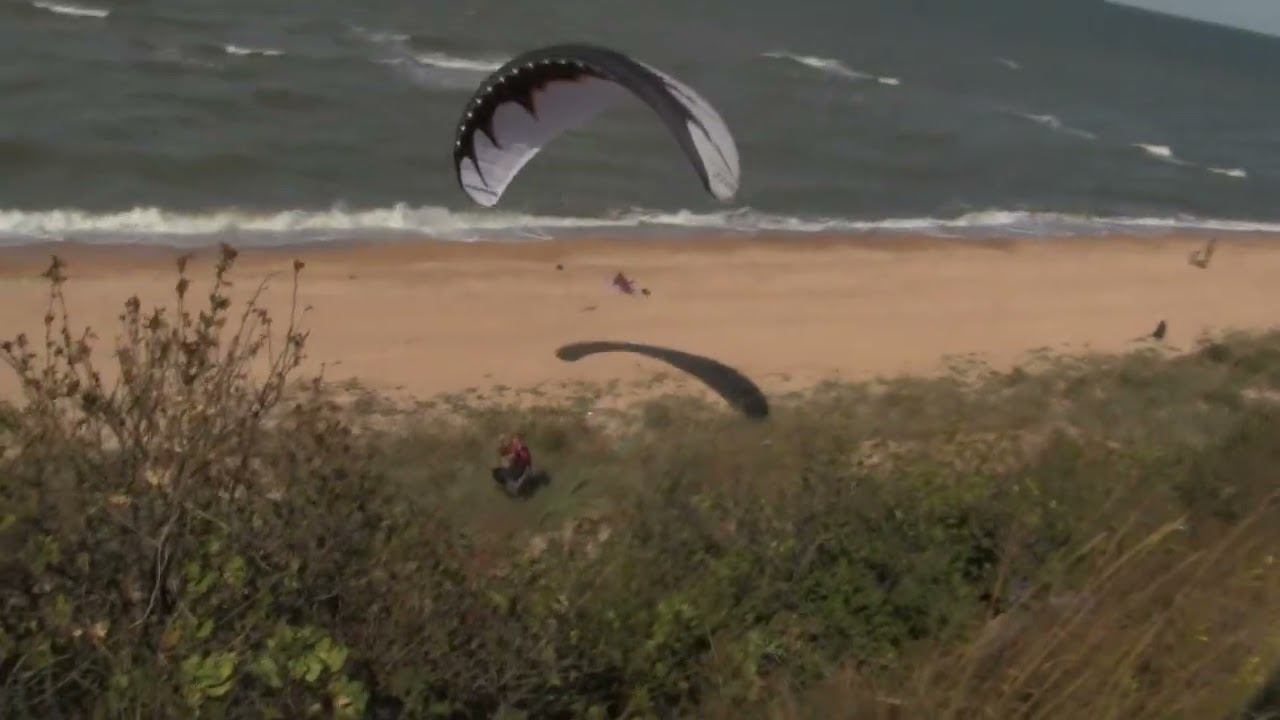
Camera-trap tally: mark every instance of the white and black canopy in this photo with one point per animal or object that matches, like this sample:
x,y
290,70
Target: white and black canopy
x,y
543,93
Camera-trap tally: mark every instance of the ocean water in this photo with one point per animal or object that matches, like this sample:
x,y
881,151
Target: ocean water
x,y
186,123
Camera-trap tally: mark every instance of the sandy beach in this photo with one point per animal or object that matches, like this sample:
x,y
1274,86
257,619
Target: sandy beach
x,y
419,319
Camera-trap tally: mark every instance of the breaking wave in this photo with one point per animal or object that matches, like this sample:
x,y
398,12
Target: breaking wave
x,y
449,62
71,10
830,66
162,227
1053,123
246,51
431,69
1161,152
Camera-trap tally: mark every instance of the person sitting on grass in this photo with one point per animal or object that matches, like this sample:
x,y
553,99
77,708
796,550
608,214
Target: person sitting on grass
x,y
517,464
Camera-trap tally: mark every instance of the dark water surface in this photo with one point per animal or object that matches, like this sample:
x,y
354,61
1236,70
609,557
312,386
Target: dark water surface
x,y
278,122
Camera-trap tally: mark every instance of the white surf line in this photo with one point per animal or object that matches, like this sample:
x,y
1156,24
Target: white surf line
x,y
1166,154
1054,123
72,10
1163,153
449,62
831,66
242,51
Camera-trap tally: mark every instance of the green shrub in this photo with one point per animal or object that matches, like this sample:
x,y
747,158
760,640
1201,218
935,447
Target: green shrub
x,y
170,536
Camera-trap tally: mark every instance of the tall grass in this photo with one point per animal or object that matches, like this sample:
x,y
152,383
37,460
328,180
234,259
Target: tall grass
x,y
210,535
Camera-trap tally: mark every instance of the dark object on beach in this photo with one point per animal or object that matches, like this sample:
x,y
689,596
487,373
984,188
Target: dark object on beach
x,y
559,267
645,292
623,283
589,308
1161,329
1201,258
731,385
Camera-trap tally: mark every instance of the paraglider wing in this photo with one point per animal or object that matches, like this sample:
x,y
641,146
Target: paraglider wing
x,y
731,385
544,93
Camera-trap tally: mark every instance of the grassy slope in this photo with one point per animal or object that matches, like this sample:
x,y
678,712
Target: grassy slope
x,y
1081,537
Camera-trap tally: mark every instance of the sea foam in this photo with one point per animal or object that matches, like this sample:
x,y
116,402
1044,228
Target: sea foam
x,y
72,10
242,51
831,66
1054,123
163,227
433,69
449,62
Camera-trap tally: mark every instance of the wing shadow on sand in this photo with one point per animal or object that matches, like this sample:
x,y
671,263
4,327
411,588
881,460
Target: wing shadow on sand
x,y
731,385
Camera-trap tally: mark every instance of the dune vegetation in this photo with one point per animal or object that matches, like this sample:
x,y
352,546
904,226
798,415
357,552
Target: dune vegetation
x,y
209,534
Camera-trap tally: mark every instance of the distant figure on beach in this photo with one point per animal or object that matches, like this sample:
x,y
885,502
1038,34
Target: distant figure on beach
x,y
1161,329
517,464
1201,258
623,283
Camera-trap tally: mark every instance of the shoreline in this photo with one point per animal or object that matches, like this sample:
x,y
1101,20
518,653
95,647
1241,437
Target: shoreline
x,y
420,319
615,238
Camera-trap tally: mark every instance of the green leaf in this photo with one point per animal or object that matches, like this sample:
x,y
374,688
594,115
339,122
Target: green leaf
x,y
235,571
349,698
220,689
333,655
266,669
222,665
46,554
314,667
198,578
210,676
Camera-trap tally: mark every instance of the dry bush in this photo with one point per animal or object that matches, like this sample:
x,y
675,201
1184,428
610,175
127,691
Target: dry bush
x,y
1159,608
162,537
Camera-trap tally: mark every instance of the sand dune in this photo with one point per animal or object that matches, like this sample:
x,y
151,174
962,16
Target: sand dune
x,y
421,319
